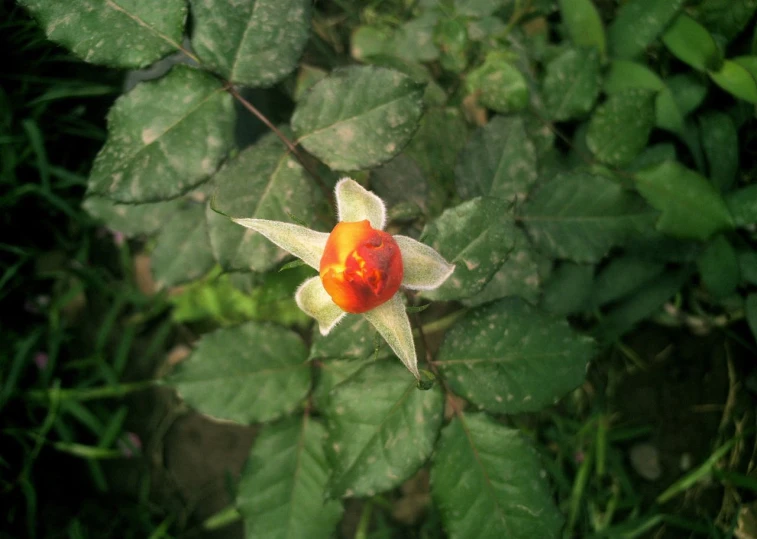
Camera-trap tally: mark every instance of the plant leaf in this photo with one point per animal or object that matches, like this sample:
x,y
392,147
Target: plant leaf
x,y
353,338
252,43
571,84
620,127
498,161
117,33
217,377
280,493
497,84
481,494
720,142
691,43
358,117
164,137
581,216
182,252
584,24
263,181
742,204
476,237
637,24
719,267
508,357
736,80
376,443
132,219
690,205
568,289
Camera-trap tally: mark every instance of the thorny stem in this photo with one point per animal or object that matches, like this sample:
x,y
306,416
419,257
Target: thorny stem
x,y
288,143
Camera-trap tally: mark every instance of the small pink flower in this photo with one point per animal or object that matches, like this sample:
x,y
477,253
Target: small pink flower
x,y
41,360
118,238
129,444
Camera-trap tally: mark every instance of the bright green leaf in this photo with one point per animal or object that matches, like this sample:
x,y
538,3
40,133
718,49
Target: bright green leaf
x,y
584,24
497,84
217,377
581,217
182,252
720,142
498,161
381,429
280,492
358,117
691,43
719,267
117,33
620,127
477,237
488,483
637,24
736,80
264,181
253,43
164,137
627,75
571,84
508,357
691,207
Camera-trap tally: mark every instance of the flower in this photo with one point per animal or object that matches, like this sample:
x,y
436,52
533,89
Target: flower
x,y
361,268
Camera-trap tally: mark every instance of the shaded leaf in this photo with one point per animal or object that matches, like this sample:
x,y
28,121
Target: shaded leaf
x,y
280,493
508,357
571,84
622,276
720,142
164,137
481,494
353,338
252,43
117,33
581,217
217,377
638,23
742,205
376,443
568,289
358,117
719,267
751,313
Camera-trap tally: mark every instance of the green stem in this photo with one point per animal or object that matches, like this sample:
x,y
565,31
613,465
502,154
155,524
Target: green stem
x,y
365,520
222,518
89,393
444,322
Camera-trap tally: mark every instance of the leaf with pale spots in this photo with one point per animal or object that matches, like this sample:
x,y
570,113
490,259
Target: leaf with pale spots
x,y
637,24
331,373
132,219
265,181
217,377
581,217
116,33
358,117
571,84
477,237
381,429
253,43
164,137
488,483
353,338
619,128
509,357
182,252
498,161
280,492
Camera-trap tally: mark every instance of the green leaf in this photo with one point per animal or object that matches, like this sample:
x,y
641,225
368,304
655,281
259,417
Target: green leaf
x,y
451,38
498,161
584,24
401,182
414,40
751,313
381,429
627,75
637,24
280,493
331,373
353,338
691,43
568,289
164,137
736,80
521,275
508,357
252,43
640,305
689,91
247,373
581,217
620,127
358,117
132,219
622,276
182,252
497,84
719,267
720,142
477,237
725,17
690,205
264,181
743,205
477,8
117,33
483,495
367,41
571,84
748,265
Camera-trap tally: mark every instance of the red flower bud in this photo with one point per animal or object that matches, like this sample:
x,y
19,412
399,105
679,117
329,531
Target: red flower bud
x,y
361,267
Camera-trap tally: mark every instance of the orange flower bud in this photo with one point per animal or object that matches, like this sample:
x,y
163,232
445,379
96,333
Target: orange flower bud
x,y
361,267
